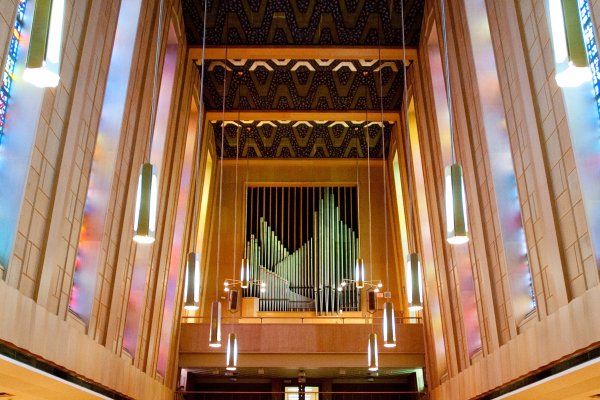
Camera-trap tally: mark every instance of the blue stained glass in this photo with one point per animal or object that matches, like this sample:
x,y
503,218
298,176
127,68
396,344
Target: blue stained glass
x,y
11,60
7,85
10,66
13,48
591,47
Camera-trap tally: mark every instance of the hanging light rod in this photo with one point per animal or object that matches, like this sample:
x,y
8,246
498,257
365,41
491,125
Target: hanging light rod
x,y
455,198
193,257
389,317
146,204
216,309
43,58
414,287
245,281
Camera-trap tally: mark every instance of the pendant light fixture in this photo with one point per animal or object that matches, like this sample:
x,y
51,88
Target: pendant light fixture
x,y
389,319
232,352
389,325
359,273
414,288
214,337
216,313
245,273
43,58
569,47
360,280
192,273
368,141
372,353
191,289
245,268
231,355
146,203
245,280
455,199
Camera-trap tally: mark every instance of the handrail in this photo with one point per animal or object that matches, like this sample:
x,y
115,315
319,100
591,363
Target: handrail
x,y
311,320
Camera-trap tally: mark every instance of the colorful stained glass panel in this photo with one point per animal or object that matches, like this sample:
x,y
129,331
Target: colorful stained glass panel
x,y
591,47
9,68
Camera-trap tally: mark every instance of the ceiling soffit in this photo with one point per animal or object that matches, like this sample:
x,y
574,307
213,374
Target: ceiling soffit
x,y
302,139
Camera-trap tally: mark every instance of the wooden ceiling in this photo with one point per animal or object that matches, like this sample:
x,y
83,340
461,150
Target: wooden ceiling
x,y
304,22
306,56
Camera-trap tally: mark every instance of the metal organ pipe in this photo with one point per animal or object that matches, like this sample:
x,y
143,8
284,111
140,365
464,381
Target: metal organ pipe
x,y
302,242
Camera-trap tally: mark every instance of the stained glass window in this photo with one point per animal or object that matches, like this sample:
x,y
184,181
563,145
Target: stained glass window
x,y
11,61
591,48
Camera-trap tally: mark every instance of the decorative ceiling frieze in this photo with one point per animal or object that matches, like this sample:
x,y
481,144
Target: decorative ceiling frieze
x,y
301,139
303,22
323,84
266,63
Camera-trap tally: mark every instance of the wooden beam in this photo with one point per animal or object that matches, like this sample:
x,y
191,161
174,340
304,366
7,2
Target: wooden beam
x,y
302,53
290,115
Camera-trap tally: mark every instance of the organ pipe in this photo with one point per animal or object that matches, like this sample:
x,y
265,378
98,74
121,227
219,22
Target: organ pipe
x,y
302,242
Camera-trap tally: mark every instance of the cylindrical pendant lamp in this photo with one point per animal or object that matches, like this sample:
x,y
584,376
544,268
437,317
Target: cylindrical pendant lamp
x,y
456,206
231,352
214,339
144,224
191,290
372,354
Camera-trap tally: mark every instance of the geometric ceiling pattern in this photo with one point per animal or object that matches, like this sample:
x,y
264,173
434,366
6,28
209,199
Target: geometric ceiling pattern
x,y
328,85
313,80
303,22
302,139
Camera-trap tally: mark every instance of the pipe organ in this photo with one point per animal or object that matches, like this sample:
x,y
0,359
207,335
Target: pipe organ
x,y
302,242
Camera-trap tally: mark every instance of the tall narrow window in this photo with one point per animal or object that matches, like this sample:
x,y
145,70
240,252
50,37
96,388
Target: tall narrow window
x,y
104,162
178,250
582,107
591,47
202,225
501,161
460,269
20,113
138,292
400,204
11,62
404,238
427,257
